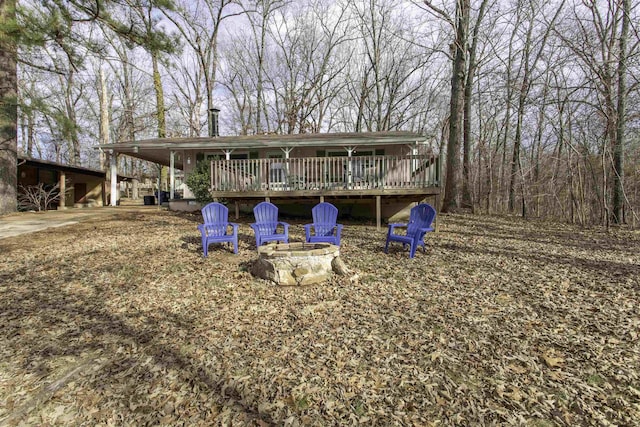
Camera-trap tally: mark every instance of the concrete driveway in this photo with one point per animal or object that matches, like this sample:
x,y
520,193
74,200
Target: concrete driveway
x,y
28,222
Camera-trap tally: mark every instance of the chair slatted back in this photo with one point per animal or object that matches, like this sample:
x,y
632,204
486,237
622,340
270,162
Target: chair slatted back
x,y
421,216
215,217
266,215
325,217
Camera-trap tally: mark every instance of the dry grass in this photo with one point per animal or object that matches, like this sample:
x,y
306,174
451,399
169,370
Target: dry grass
x,y
121,321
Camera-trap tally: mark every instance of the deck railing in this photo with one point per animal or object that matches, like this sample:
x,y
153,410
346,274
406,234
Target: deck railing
x,y
325,173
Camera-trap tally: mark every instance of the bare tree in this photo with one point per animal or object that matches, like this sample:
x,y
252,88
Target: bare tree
x,y
199,24
304,84
528,65
456,106
260,13
600,44
467,199
40,197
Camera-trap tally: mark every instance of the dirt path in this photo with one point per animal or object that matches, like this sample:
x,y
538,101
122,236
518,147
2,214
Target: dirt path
x,y
29,222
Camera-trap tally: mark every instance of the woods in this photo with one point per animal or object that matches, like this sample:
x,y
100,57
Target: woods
x,y
533,104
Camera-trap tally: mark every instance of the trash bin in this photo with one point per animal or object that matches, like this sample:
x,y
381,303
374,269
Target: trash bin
x,y
149,200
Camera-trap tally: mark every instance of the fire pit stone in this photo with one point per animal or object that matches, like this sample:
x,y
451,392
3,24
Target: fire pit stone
x,y
299,263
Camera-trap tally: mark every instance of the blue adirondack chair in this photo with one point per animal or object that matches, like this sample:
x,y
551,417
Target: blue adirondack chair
x,y
324,227
216,227
267,227
420,219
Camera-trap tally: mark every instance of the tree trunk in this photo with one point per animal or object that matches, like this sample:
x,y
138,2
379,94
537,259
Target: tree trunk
x,y
467,199
8,114
617,204
524,91
450,202
104,118
162,126
259,81
157,86
71,115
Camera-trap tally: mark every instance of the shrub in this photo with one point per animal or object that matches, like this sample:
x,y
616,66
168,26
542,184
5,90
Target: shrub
x,y
199,182
38,197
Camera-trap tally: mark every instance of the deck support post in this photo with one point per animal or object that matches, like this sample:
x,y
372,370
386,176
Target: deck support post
x,y
378,212
437,208
321,199
237,210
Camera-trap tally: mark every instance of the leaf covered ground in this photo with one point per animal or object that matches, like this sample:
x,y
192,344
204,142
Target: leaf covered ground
x,y
121,321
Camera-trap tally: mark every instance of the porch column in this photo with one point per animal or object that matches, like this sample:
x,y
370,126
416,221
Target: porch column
x,y
172,174
114,178
286,152
350,151
414,162
159,180
63,190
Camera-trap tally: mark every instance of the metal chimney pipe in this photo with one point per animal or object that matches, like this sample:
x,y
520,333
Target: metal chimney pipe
x,y
214,130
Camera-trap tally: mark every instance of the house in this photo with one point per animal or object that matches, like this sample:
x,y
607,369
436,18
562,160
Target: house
x,y
374,174
84,187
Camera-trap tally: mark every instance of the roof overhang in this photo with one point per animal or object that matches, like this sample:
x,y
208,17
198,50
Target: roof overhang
x,y
158,150
60,167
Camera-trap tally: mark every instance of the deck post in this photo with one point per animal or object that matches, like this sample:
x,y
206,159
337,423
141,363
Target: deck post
x,y
437,208
237,209
321,199
378,212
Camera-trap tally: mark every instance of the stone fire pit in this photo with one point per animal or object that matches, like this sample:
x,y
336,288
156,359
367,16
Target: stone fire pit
x,y
298,263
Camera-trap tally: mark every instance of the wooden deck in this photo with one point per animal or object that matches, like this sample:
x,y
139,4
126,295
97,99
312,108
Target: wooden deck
x,y
355,179
325,174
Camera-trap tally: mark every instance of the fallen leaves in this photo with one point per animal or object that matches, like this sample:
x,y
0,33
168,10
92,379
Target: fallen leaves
x,y
501,321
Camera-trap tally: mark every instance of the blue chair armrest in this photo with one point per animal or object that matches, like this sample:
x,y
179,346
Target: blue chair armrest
x,y
394,225
307,230
285,225
235,227
426,230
